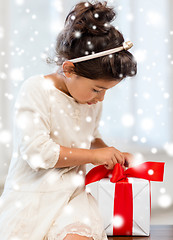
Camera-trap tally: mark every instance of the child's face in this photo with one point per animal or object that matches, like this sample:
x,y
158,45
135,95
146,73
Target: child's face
x,y
85,90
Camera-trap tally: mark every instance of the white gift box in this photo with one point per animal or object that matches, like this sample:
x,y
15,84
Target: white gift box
x,y
104,191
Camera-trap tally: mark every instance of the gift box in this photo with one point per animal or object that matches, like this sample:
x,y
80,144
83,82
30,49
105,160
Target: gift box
x,y
124,197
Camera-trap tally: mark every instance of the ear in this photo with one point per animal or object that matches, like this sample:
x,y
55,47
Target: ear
x,y
68,68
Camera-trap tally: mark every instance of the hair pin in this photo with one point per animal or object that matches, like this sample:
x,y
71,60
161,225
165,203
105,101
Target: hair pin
x,y
126,45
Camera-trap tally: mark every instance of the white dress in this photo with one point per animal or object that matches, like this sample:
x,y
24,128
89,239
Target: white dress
x,y
40,202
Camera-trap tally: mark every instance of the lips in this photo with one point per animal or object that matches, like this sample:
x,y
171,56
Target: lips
x,y
91,103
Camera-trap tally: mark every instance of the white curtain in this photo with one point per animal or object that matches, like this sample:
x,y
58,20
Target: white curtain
x,y
137,114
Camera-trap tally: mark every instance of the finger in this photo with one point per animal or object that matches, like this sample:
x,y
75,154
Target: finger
x,y
120,158
110,164
114,160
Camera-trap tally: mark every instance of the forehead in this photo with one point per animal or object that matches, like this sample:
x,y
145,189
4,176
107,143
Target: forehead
x,y
104,84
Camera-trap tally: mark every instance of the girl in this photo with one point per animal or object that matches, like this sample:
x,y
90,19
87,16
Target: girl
x,y
56,133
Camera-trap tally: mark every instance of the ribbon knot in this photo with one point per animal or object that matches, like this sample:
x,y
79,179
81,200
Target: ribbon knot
x,y
118,174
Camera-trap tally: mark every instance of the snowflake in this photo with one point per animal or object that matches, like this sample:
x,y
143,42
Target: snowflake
x,y
169,148
138,159
147,124
120,7
166,95
154,150
130,17
77,128
162,190
51,178
128,120
86,4
5,136
88,189
150,172
58,6
18,204
19,2
90,138
77,34
78,180
16,186
9,96
56,26
101,123
34,16
107,25
140,55
83,145
26,138
146,95
36,161
15,155
73,17
86,220
165,201
56,133
24,156
143,139
81,172
118,221
3,75
135,138
154,18
16,74
96,15
68,209
88,119
140,111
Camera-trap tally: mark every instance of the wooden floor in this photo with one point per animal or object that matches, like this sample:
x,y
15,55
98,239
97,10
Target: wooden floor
x,y
158,232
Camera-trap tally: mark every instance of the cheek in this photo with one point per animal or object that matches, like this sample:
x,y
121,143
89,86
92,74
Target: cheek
x,y
84,94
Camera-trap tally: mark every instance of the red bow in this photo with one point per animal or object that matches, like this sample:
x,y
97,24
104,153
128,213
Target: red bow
x,y
152,171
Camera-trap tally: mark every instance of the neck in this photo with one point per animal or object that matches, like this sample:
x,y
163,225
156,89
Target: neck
x,y
60,83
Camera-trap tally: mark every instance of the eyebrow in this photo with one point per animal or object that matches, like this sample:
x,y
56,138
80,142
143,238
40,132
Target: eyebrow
x,y
101,87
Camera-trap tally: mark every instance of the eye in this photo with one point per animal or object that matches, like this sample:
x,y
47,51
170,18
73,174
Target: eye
x,y
94,90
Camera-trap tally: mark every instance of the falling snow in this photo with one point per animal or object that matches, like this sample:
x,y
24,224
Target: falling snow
x,y
148,96
118,221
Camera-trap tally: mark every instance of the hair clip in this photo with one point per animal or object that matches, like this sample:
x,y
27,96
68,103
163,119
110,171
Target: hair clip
x,y
126,45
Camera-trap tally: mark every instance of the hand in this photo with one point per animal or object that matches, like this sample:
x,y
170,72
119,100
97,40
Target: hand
x,y
108,156
129,159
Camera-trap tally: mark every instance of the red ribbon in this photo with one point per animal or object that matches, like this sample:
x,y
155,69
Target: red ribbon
x,y
123,199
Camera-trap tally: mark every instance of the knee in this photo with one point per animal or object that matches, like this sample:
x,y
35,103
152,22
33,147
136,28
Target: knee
x,y
76,237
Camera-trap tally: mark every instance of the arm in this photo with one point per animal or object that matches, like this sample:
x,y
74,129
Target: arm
x,y
77,156
73,157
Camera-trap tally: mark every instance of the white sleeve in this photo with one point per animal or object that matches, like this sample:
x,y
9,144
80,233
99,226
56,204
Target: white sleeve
x,y
32,126
96,133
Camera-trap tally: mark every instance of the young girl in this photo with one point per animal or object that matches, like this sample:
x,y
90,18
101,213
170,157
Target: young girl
x,y
56,133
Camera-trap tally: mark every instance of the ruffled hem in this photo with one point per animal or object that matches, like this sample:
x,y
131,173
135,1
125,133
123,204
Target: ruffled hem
x,y
63,235
78,228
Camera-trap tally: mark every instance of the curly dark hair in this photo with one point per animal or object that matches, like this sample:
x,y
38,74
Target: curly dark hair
x,y
87,29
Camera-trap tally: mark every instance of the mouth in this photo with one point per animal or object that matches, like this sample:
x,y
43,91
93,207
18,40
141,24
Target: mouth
x,y
89,103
